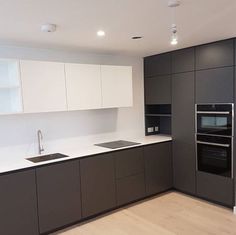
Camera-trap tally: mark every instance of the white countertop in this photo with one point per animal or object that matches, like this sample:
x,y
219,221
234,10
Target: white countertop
x,y
11,163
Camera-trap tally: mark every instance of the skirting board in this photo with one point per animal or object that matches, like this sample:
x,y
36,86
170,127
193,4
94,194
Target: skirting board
x,y
235,210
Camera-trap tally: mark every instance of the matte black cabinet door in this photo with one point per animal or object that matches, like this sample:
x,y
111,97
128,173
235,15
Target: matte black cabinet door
x,y
18,204
158,167
157,65
183,60
97,184
130,188
215,85
158,90
215,188
213,55
129,162
59,199
184,162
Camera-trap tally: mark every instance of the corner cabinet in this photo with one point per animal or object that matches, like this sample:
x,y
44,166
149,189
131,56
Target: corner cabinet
x,y
117,87
43,86
18,204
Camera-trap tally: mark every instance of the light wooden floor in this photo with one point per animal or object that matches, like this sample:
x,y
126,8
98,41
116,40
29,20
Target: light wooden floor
x,y
169,214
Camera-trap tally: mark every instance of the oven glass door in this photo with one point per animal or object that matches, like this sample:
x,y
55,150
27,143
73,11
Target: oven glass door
x,y
214,124
214,156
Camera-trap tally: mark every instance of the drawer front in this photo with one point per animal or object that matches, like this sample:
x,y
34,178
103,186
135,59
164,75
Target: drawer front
x,y
130,189
129,162
215,188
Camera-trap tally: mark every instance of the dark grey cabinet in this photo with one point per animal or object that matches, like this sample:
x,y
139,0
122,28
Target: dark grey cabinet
x,y
184,160
97,184
158,167
130,183
18,204
158,90
213,55
215,188
183,60
157,65
59,200
215,85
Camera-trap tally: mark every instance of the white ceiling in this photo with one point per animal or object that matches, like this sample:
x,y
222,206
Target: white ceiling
x,y
198,21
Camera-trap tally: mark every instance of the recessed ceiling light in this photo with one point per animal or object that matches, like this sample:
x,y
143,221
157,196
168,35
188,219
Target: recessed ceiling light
x,y
137,37
100,33
48,28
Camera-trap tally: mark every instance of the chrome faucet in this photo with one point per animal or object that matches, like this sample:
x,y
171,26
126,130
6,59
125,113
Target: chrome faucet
x,y
40,139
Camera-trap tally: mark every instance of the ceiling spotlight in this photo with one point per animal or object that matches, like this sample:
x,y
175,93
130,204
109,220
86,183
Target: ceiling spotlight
x,y
48,28
100,33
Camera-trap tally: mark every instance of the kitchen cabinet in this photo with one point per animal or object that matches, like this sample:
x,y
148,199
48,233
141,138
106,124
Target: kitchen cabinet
x,y
157,65
10,87
130,182
158,90
184,162
83,86
18,204
97,184
183,60
215,85
158,167
43,86
215,188
117,88
59,195
213,55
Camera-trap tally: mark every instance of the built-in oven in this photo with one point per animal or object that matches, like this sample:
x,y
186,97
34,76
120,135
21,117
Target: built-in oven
x,y
214,155
215,119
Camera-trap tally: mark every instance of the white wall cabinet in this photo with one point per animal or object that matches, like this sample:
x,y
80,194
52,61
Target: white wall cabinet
x,y
116,86
43,86
10,87
83,83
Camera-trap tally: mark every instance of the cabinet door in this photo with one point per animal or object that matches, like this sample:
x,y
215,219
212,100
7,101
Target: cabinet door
x,y
215,85
213,55
59,202
83,84
43,86
183,60
215,188
18,204
184,162
97,184
157,65
158,90
158,167
117,89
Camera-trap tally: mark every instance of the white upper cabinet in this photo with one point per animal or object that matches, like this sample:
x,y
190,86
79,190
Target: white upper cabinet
x,y
43,86
10,87
117,90
83,83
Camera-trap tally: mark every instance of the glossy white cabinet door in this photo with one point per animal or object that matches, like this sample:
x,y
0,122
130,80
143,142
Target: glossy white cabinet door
x,y
117,90
83,83
43,86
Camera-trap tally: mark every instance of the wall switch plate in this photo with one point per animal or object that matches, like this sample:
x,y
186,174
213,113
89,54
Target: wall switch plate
x,y
156,128
150,129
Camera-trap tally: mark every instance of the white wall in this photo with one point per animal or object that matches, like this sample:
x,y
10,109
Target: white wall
x,y
21,129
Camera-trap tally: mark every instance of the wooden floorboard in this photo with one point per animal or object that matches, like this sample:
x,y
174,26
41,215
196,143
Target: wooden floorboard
x,y
169,214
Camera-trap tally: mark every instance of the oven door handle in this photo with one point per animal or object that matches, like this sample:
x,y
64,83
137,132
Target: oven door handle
x,y
214,144
212,112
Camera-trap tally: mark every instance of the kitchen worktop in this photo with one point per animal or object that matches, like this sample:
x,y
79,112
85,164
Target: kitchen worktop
x,y
17,162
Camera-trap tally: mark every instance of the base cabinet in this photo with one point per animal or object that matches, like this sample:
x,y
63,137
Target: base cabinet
x,y
97,184
215,188
59,202
18,204
158,167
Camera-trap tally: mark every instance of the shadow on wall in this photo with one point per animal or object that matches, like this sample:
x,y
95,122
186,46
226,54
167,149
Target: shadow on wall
x,y
22,128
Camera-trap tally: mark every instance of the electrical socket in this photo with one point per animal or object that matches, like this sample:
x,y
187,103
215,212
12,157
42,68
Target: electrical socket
x,y
150,129
156,128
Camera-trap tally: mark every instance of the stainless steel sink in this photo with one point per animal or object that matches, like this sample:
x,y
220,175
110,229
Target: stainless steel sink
x,y
46,157
117,144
